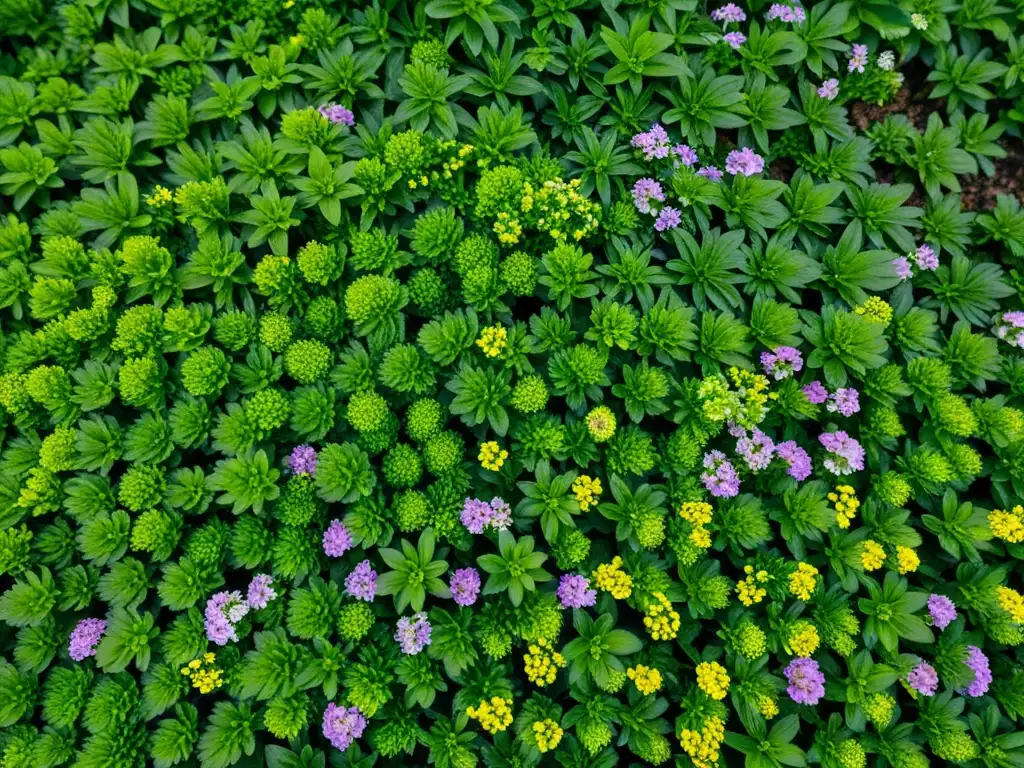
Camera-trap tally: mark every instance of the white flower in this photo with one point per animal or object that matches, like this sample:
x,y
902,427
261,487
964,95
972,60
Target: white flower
x,y
919,21
887,61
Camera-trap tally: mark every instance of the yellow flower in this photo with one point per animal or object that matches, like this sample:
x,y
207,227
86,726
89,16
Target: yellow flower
x,y
1008,526
492,340
547,733
748,590
646,679
767,706
803,638
492,456
875,310
702,747
700,537
541,663
1011,601
802,581
161,196
288,4
845,503
203,675
872,555
297,39
696,512
609,577
906,559
494,715
661,621
713,679
587,491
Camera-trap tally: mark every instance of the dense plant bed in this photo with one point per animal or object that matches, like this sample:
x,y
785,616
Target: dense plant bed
x,y
473,382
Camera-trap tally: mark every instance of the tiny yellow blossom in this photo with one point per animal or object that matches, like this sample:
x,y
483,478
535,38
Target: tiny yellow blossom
x,y
542,662
492,456
609,577
872,555
587,491
702,747
696,512
1008,526
768,706
646,679
747,589
548,734
661,620
713,679
494,715
875,310
906,559
1011,601
161,196
203,675
803,638
492,340
802,581
845,503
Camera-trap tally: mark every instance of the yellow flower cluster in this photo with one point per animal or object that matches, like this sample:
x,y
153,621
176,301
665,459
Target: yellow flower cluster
x,y
203,674
492,456
161,196
609,577
494,715
749,590
872,555
455,161
753,388
561,210
703,746
493,339
906,559
1008,526
713,679
697,514
802,581
507,229
646,679
542,662
661,621
845,503
875,310
587,490
422,182
803,638
547,733
767,706
1011,601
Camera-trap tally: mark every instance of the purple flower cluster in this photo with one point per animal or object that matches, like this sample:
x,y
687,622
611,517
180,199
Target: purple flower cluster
x,y
685,155
478,515
260,591
924,679
710,172
302,460
223,611
797,458
829,89
413,635
362,582
744,162
902,267
782,363
806,681
845,401
343,725
845,455
729,14
337,540
574,591
858,58
338,114
735,39
669,218
645,191
942,610
816,392
977,662
653,143
791,14
756,449
926,258
720,478
465,586
1010,328
85,637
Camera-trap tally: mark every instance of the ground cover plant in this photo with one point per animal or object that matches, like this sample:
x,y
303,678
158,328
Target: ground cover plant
x,y
511,383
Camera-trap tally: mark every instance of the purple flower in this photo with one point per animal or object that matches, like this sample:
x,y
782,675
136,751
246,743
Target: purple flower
x,y
501,514
669,218
816,393
942,610
782,363
303,460
735,39
829,89
223,611
844,400
858,58
338,114
903,268
924,679
685,155
756,450
574,591
362,582
260,592
926,258
337,539
744,161
644,191
653,143
413,635
845,455
806,681
343,725
1011,321
787,13
710,172
476,515
85,637
796,457
730,13
978,663
721,479
465,586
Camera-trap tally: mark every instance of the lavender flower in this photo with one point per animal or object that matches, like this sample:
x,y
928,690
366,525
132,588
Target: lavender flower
x,y
806,681
574,591
744,161
413,635
501,514
710,172
926,258
721,479
1009,328
782,363
829,89
756,450
845,455
303,460
858,58
729,14
653,143
465,586
337,540
735,39
977,662
924,679
816,393
476,515
669,218
260,592
644,191
903,269
791,14
845,401
343,725
942,610
797,458
338,114
85,637
685,155
362,582
223,611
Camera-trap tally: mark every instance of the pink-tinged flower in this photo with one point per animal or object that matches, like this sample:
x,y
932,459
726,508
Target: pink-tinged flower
x,y
644,192
465,586
942,611
797,458
806,681
260,592
924,679
303,460
85,637
710,172
337,540
782,363
816,393
362,582
791,14
343,725
757,450
501,514
729,14
926,258
574,591
977,662
223,611
669,218
858,58
1008,328
735,39
844,401
413,635
845,455
653,143
903,269
720,478
829,89
685,155
744,161
476,515
338,114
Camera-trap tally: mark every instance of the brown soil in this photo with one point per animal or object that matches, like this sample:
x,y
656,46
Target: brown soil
x,y
782,169
916,108
980,192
